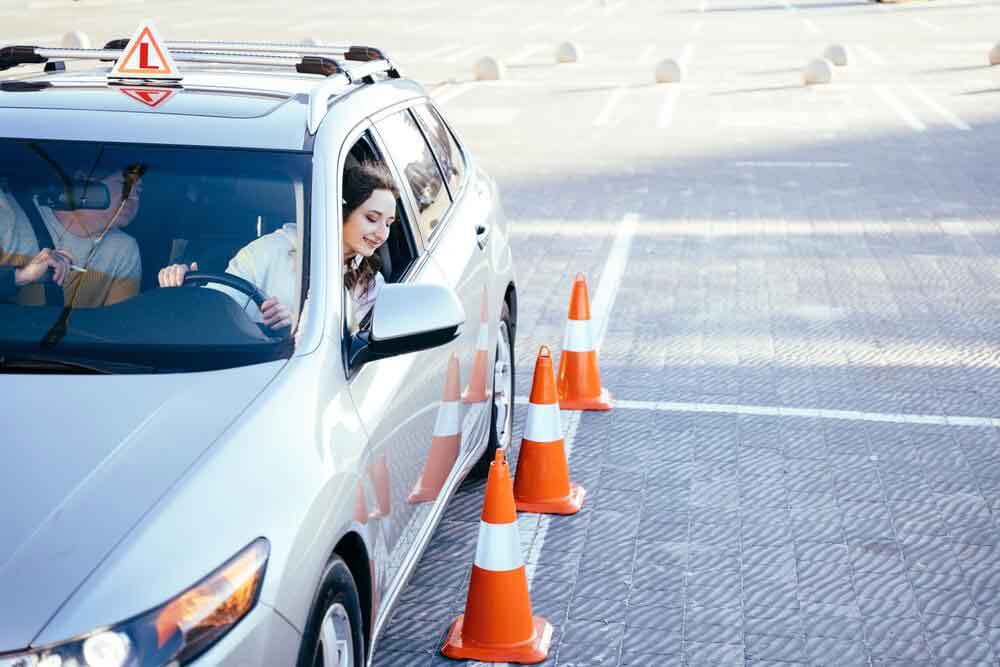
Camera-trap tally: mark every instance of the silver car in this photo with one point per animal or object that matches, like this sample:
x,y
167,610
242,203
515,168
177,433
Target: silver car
x,y
182,484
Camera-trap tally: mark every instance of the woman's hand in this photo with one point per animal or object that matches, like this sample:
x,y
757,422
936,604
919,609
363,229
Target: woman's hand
x,y
57,260
275,314
173,275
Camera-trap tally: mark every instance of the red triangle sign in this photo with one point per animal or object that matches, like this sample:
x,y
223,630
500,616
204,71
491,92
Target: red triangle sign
x,y
151,97
145,57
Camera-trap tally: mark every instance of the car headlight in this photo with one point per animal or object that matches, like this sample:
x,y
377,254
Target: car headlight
x,y
174,633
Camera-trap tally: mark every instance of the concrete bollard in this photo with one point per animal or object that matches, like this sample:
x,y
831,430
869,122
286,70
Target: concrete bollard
x,y
995,54
569,52
670,71
75,40
837,54
489,68
819,70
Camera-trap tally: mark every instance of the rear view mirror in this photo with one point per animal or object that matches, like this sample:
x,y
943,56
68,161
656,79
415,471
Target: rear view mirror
x,y
80,195
409,318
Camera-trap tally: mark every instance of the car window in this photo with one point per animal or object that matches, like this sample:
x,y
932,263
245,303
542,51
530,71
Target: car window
x,y
413,157
120,215
446,149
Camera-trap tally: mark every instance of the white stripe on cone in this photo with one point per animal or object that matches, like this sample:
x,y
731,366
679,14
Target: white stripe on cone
x,y
578,336
499,547
543,423
448,421
483,341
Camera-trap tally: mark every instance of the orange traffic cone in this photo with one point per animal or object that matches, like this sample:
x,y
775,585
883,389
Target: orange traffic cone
x,y
542,482
476,391
497,625
445,443
579,379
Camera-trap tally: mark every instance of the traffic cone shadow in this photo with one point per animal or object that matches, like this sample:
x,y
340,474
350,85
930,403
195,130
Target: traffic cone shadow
x,y
475,392
542,482
579,377
446,441
498,625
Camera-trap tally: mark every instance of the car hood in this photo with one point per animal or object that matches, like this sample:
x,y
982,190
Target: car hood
x,y
84,457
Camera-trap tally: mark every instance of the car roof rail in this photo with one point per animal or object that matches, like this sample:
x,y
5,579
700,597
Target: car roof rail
x,y
304,58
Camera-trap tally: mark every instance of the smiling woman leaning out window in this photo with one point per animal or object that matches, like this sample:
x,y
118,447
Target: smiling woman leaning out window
x,y
369,209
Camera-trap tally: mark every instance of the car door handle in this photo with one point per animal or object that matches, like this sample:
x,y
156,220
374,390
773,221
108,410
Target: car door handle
x,y
482,235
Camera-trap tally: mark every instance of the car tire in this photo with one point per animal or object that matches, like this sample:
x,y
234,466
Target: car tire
x,y
335,621
502,409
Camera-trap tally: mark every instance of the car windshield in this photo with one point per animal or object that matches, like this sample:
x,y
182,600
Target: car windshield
x,y
164,255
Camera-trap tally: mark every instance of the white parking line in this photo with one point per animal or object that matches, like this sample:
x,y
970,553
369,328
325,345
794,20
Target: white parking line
x,y
576,9
609,108
533,27
666,117
927,24
811,26
611,276
577,28
614,9
941,110
778,411
901,110
696,30
871,55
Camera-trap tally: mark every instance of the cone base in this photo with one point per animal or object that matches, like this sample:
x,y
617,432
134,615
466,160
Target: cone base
x,y
570,504
528,652
601,402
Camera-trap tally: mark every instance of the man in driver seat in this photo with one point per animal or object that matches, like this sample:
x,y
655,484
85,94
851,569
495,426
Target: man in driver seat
x,y
108,268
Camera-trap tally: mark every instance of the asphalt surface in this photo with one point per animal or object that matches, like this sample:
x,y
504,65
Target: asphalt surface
x,y
797,296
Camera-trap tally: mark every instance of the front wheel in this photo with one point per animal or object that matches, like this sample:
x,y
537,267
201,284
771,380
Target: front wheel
x,y
502,410
334,635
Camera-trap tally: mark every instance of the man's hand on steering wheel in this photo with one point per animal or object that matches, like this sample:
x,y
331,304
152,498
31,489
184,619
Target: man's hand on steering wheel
x,y
173,275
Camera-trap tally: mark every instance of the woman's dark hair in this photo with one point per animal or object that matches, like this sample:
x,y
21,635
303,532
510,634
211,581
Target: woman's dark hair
x,y
359,184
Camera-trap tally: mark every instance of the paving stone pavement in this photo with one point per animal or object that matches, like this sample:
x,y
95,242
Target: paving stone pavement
x,y
729,540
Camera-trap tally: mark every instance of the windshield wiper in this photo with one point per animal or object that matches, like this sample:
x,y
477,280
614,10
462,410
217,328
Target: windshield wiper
x,y
28,363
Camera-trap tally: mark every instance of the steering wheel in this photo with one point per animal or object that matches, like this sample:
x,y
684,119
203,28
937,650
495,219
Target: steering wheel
x,y
199,278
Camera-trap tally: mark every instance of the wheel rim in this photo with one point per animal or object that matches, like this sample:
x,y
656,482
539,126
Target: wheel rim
x,y
336,642
502,390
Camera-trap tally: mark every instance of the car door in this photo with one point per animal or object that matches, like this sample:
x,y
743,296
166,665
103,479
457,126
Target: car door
x,y
414,435
418,148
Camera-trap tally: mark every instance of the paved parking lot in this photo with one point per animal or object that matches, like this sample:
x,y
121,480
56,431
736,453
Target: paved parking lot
x,y
797,293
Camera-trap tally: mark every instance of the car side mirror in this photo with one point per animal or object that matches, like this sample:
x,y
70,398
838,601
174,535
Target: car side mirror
x,y
408,318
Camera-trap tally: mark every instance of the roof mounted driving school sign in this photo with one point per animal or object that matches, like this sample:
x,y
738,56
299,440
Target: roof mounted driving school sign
x,y
146,57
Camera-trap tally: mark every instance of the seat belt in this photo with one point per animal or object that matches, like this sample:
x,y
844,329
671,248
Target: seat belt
x,y
53,293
